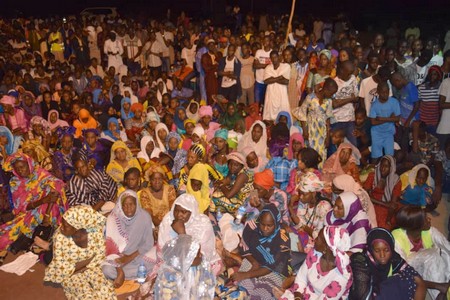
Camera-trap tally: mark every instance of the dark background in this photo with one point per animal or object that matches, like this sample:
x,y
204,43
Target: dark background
x,y
364,14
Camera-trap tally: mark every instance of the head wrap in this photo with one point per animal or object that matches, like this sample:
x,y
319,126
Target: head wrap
x,y
199,131
36,120
325,52
338,240
200,172
152,117
37,147
409,177
84,217
391,179
247,150
189,121
199,150
13,141
265,179
93,130
137,106
236,156
161,144
294,137
120,145
205,111
154,168
221,133
178,121
143,153
438,70
8,100
310,182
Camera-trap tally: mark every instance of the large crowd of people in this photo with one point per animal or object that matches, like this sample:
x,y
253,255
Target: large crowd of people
x,y
225,163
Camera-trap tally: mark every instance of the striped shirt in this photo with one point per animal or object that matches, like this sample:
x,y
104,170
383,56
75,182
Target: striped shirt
x,y
98,186
429,104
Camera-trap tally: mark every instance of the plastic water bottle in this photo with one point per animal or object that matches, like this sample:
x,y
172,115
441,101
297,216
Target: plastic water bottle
x,y
239,215
219,215
141,273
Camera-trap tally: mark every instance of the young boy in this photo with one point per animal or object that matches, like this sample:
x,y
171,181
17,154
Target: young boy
x,y
337,138
362,134
384,113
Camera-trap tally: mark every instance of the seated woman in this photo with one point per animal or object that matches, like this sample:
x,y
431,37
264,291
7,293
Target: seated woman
x,y
346,183
149,152
206,114
417,186
184,218
188,138
344,161
35,150
326,273
309,217
179,118
423,247
55,122
63,159
177,156
192,110
269,193
218,154
9,144
296,144
40,132
37,198
78,267
280,134
161,133
84,121
135,125
230,193
266,253
308,161
198,185
113,132
121,160
94,151
129,240
231,116
158,197
381,273
195,155
384,188
256,139
348,213
125,110
255,163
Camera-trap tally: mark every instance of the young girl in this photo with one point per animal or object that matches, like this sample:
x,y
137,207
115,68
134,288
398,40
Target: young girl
x,y
315,116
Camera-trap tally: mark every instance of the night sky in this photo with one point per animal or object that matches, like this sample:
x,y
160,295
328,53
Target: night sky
x,y
362,13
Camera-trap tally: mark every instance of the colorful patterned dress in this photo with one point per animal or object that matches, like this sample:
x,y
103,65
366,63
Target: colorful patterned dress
x,y
24,191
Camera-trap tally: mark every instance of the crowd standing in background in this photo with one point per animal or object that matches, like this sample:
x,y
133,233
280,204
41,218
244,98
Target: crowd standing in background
x,y
225,163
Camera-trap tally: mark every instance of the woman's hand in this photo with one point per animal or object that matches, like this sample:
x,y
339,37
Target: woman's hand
x,y
81,265
178,227
124,259
308,230
197,259
239,276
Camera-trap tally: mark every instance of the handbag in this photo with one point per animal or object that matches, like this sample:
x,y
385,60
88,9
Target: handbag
x,y
23,243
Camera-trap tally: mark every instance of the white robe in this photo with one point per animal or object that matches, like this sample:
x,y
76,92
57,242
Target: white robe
x,y
277,99
114,60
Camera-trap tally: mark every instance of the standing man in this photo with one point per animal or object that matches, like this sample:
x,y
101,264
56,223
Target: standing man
x,y
165,38
114,50
153,51
262,60
55,40
210,64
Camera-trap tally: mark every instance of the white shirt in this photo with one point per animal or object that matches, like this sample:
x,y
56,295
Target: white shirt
x,y
277,99
153,61
264,58
368,91
189,55
132,46
444,123
168,36
229,67
346,89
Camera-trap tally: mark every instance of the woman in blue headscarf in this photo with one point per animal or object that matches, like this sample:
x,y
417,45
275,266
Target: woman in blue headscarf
x,y
266,255
179,118
125,111
113,133
178,155
8,142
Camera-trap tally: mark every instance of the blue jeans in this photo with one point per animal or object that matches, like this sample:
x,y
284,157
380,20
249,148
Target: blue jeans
x,y
165,64
260,92
348,128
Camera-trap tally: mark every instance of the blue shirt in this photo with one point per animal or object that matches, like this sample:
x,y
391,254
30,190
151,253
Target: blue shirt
x,y
408,96
384,110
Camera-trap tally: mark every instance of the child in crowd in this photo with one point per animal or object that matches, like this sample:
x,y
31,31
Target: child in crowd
x,y
362,134
384,113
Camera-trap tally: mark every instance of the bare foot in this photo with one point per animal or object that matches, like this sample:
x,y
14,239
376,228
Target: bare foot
x,y
41,243
119,279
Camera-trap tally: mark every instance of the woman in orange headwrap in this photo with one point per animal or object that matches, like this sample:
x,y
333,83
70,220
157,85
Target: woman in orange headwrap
x,y
265,185
135,125
84,121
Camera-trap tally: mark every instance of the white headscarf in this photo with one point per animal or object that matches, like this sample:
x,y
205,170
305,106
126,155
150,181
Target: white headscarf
x,y
190,115
143,153
161,144
198,226
260,147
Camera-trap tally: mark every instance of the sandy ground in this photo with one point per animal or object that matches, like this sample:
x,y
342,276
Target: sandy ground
x,y
30,285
